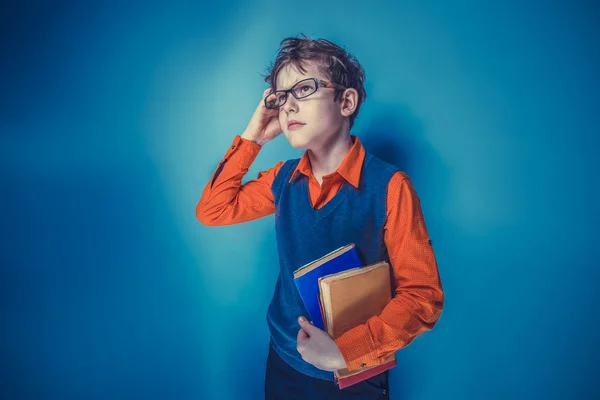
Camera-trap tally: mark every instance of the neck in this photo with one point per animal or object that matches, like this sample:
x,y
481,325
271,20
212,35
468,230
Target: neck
x,y
330,155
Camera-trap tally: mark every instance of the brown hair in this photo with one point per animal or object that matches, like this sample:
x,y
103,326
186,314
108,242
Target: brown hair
x,y
334,62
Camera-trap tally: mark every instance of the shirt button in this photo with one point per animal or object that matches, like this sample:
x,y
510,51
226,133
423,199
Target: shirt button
x,y
384,391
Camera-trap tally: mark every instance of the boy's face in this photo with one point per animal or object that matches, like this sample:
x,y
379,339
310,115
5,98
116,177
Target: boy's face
x,y
322,117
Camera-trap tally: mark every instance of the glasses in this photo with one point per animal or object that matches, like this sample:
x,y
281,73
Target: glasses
x,y
300,90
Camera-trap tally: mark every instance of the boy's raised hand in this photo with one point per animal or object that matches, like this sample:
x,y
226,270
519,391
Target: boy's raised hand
x,y
264,125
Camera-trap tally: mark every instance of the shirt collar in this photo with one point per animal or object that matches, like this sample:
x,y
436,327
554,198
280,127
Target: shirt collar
x,y
349,169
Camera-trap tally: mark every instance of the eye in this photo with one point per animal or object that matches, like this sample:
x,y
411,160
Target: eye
x,y
306,87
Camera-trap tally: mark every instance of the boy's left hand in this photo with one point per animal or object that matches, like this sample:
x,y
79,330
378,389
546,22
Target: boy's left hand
x,y
318,348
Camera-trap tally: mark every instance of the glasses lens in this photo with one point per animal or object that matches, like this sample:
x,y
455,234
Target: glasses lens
x,y
301,89
305,88
276,100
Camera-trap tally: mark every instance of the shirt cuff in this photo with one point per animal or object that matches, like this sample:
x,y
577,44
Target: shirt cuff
x,y
358,348
244,151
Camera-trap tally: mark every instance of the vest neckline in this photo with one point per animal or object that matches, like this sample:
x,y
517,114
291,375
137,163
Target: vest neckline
x,y
324,211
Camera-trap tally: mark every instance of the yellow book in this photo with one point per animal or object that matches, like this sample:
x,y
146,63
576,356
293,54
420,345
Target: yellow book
x,y
349,298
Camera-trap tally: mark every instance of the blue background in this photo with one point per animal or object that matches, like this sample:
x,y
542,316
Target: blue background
x,y
113,117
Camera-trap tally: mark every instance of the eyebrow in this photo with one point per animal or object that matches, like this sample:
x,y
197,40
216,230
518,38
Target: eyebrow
x,y
306,77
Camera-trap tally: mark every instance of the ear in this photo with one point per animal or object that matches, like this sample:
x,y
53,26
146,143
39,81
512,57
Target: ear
x,y
349,102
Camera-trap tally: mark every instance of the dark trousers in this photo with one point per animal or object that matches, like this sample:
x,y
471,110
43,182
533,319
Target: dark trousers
x,y
284,382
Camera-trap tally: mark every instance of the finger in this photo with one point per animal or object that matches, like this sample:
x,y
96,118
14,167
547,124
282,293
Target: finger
x,y
301,341
306,330
309,327
302,336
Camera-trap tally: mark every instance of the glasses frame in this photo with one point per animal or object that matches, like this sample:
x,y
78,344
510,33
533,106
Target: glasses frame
x,y
318,83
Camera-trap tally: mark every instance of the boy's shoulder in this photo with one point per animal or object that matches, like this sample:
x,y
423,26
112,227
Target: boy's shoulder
x,y
392,169
284,169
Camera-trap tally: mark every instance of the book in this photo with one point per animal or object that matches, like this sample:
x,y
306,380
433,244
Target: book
x,y
306,278
349,298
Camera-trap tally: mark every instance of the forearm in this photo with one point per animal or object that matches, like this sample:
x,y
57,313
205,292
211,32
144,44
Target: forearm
x,y
223,196
419,298
408,314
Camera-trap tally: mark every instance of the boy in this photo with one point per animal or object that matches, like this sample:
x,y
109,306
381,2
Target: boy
x,y
337,193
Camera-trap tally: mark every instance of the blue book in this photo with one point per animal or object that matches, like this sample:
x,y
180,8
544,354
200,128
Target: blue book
x,y
307,277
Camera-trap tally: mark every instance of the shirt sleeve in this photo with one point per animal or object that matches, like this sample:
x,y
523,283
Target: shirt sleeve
x,y
225,201
418,296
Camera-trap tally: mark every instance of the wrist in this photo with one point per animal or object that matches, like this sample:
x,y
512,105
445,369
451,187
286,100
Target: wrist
x,y
340,362
250,138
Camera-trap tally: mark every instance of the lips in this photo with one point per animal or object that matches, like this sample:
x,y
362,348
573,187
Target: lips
x,y
292,124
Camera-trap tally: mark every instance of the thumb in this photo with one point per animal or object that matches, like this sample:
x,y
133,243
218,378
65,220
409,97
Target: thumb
x,y
308,327
302,336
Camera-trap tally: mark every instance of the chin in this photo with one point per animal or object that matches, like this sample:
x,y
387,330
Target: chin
x,y
298,140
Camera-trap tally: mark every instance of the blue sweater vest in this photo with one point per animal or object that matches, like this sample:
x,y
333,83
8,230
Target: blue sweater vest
x,y
305,234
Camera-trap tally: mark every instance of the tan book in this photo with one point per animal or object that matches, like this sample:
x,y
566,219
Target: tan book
x,y
349,298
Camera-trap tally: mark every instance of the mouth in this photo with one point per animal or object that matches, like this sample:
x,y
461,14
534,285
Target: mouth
x,y
295,125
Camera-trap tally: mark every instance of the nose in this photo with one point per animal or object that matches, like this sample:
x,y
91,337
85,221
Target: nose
x,y
290,104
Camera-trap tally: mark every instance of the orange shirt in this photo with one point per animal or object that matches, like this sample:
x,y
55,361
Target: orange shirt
x,y
419,297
